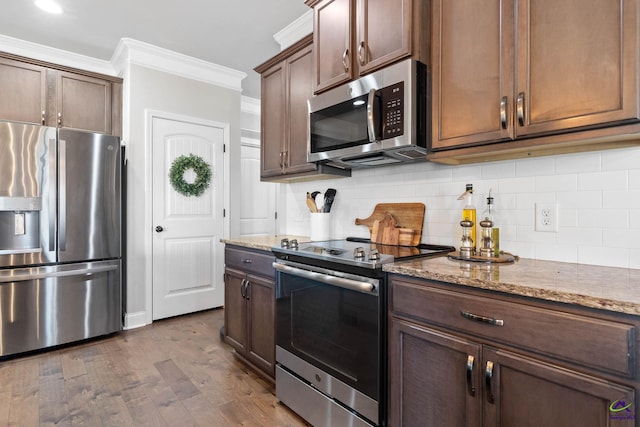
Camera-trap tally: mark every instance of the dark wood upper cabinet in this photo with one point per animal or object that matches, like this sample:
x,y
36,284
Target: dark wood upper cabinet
x,y
384,32
83,102
286,85
47,94
543,68
333,29
355,37
22,91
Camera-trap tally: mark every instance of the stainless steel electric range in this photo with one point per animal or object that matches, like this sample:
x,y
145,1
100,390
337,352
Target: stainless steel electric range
x,y
331,305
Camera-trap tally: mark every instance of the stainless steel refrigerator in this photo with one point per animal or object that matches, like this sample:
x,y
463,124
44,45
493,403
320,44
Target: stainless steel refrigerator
x,y
60,236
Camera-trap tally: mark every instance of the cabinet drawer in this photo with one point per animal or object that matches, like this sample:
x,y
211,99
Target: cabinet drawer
x,y
250,261
601,344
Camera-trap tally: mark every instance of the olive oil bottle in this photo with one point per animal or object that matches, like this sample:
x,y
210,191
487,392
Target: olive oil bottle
x,y
469,212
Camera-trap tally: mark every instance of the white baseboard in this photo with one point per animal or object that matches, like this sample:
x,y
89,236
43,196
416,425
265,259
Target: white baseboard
x,y
135,320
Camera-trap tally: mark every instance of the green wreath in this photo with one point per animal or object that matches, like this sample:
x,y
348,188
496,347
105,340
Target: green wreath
x,y
202,170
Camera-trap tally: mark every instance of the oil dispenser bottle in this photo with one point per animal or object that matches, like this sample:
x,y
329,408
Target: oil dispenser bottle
x,y
469,211
491,214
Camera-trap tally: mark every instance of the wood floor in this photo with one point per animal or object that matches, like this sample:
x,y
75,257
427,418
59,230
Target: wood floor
x,y
175,372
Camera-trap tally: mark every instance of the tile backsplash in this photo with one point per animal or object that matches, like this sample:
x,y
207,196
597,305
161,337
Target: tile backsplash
x,y
598,195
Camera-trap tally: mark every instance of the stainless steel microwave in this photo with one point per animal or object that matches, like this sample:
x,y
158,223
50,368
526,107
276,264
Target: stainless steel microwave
x,y
379,119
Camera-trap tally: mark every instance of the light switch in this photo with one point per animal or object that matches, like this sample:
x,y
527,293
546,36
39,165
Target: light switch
x,y
18,220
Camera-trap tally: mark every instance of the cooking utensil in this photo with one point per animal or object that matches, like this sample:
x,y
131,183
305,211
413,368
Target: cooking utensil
x,y
318,197
329,195
311,204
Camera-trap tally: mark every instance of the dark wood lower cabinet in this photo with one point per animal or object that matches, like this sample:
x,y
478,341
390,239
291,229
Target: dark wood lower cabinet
x,y
527,393
428,378
440,375
249,307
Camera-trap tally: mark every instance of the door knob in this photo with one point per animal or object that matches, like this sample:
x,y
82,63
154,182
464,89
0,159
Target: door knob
x,y
159,229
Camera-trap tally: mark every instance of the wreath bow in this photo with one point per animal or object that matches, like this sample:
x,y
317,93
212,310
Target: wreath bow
x,y
201,168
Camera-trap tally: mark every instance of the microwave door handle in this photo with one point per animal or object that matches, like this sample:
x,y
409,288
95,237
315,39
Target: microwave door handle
x,y
370,116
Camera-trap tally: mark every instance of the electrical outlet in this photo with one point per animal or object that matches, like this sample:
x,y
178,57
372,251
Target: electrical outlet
x,y
547,217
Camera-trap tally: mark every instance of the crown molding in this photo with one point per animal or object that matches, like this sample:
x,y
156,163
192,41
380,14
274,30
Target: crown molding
x,y
55,56
250,105
130,51
295,31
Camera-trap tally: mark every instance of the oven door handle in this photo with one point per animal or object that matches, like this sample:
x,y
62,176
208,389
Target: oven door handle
x,y
341,282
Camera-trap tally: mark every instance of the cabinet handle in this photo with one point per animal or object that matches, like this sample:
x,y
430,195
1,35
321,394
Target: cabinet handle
x,y
345,60
470,388
361,51
247,261
503,112
285,156
520,108
483,319
247,289
488,378
59,120
42,117
242,288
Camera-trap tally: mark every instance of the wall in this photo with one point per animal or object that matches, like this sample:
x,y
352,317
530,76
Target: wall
x,y
598,195
160,91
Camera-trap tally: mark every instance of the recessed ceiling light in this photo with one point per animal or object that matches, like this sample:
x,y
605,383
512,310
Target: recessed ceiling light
x,y
49,6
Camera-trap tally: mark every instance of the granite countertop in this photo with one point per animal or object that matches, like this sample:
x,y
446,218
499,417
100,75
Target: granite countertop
x,y
606,288
262,242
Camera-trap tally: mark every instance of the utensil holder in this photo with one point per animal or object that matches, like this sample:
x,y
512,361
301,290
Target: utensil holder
x,y
320,226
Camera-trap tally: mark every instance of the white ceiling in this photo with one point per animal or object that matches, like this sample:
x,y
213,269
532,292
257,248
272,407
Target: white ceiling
x,y
234,33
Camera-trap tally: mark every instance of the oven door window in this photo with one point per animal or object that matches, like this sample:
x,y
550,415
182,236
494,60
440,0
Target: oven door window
x,y
332,328
339,126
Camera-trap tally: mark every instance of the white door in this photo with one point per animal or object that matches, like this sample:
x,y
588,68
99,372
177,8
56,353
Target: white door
x,y
258,199
187,253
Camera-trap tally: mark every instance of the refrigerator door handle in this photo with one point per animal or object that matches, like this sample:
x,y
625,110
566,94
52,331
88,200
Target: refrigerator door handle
x,y
62,198
44,273
52,194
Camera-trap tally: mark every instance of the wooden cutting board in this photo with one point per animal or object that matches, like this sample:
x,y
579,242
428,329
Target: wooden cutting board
x,y
385,231
408,216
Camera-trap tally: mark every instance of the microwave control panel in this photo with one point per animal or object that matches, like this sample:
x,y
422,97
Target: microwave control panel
x,y
392,110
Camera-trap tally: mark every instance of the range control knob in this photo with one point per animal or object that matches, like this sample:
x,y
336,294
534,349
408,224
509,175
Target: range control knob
x,y
294,244
374,255
358,253
284,243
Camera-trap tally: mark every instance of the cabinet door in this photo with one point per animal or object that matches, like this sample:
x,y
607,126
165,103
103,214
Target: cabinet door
x,y
235,310
83,102
300,86
22,91
333,24
384,32
525,393
472,57
434,378
272,120
261,345
577,64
